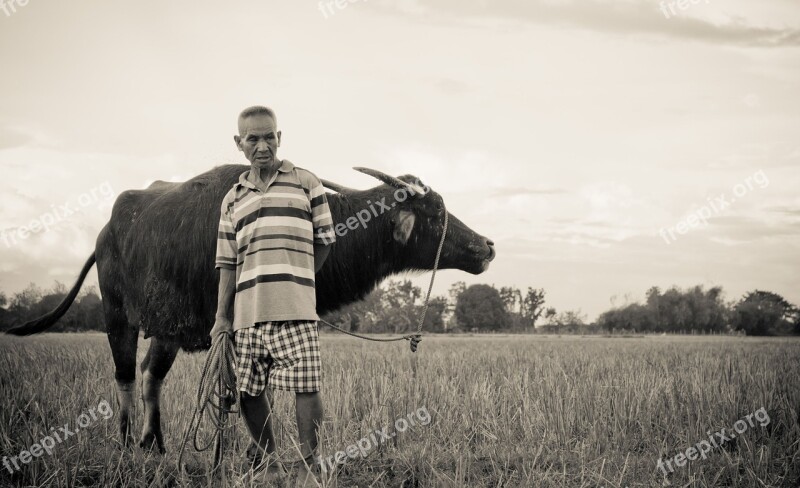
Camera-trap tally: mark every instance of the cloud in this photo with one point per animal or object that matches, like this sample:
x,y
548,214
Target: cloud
x,y
772,154
451,86
517,191
746,229
11,137
784,210
617,17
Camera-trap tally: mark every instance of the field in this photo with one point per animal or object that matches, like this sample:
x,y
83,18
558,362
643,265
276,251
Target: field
x,y
503,411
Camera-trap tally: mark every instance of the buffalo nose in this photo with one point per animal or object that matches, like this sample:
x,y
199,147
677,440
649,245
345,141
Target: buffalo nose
x,y
489,242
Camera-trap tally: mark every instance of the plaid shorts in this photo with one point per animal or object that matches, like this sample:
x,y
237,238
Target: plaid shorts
x,y
281,355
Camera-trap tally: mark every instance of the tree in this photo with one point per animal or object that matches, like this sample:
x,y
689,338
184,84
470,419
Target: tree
x,y
91,310
360,316
533,305
399,310
24,300
635,317
676,310
434,320
654,308
571,318
764,313
481,307
509,296
86,313
456,289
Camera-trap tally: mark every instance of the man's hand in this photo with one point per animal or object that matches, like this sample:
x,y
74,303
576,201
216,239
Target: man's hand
x,y
222,325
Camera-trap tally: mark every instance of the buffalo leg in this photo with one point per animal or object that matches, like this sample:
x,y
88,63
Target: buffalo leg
x,y
123,341
155,367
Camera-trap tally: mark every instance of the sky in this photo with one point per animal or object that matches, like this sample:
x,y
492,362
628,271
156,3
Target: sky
x,y
604,146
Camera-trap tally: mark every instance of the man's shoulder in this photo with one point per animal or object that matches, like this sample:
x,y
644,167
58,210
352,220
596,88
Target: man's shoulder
x,y
307,178
230,195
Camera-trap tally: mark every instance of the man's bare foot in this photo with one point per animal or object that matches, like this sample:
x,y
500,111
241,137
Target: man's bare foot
x,y
306,477
254,455
270,470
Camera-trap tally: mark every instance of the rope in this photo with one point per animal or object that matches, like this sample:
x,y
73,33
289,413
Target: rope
x,y
366,338
414,338
433,275
215,394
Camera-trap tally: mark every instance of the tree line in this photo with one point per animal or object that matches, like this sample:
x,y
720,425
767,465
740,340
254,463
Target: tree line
x,y
396,306
696,309
85,314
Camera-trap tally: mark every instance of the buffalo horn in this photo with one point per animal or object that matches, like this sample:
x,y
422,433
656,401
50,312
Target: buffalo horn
x,y
336,187
389,180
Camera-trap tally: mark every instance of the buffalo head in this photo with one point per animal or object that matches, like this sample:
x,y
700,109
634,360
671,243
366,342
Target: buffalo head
x,y
414,217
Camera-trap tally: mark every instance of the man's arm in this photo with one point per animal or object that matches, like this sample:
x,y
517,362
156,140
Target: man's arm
x,y
322,222
227,292
226,264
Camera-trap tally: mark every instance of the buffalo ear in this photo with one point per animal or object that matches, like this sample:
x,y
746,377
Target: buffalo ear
x,y
404,226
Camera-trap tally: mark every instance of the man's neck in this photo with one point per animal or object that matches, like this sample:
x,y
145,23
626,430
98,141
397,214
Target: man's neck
x,y
262,177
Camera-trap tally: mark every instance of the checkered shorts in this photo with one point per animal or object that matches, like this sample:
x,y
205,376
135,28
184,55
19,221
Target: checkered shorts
x,y
281,355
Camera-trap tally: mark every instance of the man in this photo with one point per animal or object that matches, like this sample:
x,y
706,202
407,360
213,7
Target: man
x,y
274,231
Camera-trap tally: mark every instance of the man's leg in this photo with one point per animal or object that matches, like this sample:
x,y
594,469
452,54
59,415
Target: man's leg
x,y
252,367
296,367
257,414
308,409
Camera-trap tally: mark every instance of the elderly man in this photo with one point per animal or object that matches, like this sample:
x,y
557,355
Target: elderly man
x,y
274,234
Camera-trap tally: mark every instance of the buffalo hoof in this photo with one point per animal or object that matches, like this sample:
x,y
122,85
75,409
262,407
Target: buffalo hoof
x,y
125,434
153,442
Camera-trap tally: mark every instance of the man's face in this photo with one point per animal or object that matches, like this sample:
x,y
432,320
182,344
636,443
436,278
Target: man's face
x,y
259,140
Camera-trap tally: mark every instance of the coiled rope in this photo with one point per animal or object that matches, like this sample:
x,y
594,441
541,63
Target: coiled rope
x,y
215,396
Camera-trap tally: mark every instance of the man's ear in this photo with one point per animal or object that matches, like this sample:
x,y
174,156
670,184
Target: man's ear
x,y
279,138
403,226
238,141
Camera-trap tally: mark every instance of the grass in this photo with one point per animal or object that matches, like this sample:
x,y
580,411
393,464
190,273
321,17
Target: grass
x,y
505,411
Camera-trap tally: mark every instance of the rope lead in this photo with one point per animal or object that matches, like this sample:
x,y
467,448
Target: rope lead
x,y
215,396
414,338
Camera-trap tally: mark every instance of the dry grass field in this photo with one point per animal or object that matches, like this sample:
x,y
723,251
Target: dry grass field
x,y
504,411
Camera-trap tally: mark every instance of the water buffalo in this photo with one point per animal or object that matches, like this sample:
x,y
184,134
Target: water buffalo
x,y
155,262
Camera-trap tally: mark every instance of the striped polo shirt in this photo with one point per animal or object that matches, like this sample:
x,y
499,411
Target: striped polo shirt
x,y
268,237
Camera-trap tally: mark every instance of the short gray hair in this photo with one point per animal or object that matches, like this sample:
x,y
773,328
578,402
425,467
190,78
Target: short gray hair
x,y
257,110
